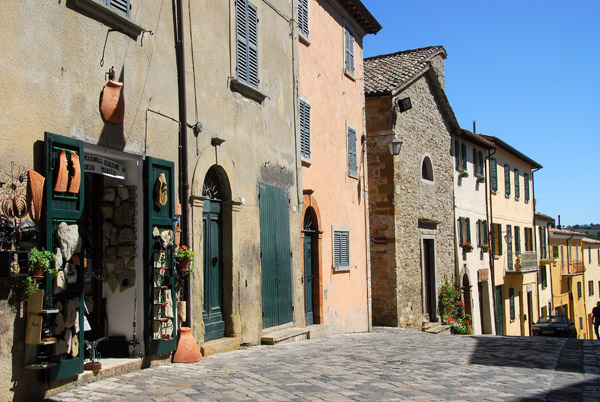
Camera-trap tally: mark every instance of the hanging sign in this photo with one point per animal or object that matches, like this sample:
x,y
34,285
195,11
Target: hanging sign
x,y
101,165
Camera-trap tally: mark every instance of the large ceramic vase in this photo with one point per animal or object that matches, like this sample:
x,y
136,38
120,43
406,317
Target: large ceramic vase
x,y
187,348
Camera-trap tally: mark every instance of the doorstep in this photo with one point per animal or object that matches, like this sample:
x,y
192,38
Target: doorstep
x,y
318,331
283,335
220,345
439,330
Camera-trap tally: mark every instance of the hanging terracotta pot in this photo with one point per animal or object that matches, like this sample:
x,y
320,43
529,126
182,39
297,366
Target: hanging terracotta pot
x,y
112,104
183,265
35,194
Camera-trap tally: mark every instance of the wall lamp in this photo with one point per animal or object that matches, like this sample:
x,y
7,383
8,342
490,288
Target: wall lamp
x,y
394,146
508,238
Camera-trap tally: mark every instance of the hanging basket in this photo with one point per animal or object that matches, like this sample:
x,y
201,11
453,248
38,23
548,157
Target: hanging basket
x,y
183,265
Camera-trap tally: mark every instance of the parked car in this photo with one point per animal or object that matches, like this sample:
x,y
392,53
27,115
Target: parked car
x,y
554,325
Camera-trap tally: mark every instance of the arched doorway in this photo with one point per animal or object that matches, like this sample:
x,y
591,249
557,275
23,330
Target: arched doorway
x,y
311,269
212,220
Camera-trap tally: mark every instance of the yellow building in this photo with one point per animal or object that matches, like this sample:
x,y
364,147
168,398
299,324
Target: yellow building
x,y
514,259
591,260
568,293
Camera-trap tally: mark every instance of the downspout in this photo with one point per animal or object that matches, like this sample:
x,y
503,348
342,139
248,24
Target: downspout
x,y
488,212
183,149
367,227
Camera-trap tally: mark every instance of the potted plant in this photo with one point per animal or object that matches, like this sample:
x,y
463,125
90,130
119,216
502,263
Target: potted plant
x,y
464,173
183,255
26,288
467,247
485,248
41,261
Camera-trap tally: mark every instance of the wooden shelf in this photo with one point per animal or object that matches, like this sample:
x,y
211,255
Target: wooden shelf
x,y
49,311
39,366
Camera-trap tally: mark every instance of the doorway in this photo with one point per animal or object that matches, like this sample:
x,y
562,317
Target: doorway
x,y
530,310
311,267
499,311
429,279
467,295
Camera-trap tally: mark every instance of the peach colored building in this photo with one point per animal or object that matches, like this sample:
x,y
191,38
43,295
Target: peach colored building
x,y
331,102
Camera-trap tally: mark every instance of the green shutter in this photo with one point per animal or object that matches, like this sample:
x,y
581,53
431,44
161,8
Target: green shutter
x,y
349,49
304,129
456,154
555,252
246,18
352,156
463,156
494,174
63,207
475,162
511,296
252,45
517,240
517,184
468,224
509,249
499,227
526,183
507,179
499,310
162,219
485,233
461,239
303,17
481,161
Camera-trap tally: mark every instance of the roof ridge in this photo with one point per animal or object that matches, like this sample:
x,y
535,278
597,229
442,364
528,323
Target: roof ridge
x,y
441,47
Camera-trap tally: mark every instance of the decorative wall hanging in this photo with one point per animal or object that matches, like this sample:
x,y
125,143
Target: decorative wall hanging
x,y
68,240
13,197
112,104
160,191
36,194
76,175
62,178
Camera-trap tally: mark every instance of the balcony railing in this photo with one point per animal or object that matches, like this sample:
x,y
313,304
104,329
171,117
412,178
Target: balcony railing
x,y
574,268
527,261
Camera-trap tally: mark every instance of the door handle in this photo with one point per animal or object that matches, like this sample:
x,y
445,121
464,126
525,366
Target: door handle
x,y
214,261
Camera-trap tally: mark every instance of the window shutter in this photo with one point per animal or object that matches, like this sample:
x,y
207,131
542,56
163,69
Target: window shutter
x,y
349,45
481,162
352,159
526,183
468,225
511,296
479,233
579,290
463,156
252,45
303,17
341,249
456,154
507,179
517,240
485,233
517,184
475,162
494,173
121,6
499,227
304,129
247,42
555,252
509,249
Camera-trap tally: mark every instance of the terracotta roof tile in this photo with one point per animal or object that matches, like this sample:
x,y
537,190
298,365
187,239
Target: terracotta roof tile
x,y
387,72
591,241
566,232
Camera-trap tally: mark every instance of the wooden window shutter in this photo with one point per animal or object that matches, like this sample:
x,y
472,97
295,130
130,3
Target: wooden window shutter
x,y
468,226
352,156
511,296
304,129
463,156
456,154
526,184
481,163
509,248
252,45
122,6
461,238
494,174
517,184
499,228
475,162
507,179
303,17
479,233
555,251
341,249
486,240
349,46
246,18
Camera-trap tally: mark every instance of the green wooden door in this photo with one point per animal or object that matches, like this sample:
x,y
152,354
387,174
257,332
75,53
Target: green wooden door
x,y
155,295
212,310
275,255
499,312
63,207
308,280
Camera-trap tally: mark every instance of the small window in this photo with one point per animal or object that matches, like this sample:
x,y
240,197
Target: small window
x,y
352,156
579,292
115,13
349,49
544,277
526,184
511,297
303,17
464,231
517,184
341,249
304,129
589,255
591,288
480,164
581,323
427,169
507,179
494,174
482,233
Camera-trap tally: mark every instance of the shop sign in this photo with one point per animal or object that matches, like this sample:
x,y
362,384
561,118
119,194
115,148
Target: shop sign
x,y
104,166
482,275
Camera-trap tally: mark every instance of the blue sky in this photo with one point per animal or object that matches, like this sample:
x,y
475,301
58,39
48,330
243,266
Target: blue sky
x,y
528,72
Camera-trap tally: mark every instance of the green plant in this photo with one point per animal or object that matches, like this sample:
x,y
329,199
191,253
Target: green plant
x,y
26,287
42,259
184,253
452,310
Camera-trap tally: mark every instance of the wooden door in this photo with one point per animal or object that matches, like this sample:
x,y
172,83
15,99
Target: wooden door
x,y
212,309
308,280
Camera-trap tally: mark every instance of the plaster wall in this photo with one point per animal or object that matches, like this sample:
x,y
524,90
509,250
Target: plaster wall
x,y
545,293
337,102
259,147
54,69
420,208
469,202
592,273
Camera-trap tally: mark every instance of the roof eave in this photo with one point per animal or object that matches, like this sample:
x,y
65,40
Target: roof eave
x,y
512,150
361,15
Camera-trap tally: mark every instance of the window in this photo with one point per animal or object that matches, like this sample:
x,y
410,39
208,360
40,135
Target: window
x,y
304,129
464,230
544,276
482,233
303,17
517,184
509,249
341,248
246,17
526,183
581,323
496,238
349,50
114,13
555,252
352,158
507,179
517,240
579,290
589,255
577,252
543,245
511,297
591,288
427,169
494,174
528,239
562,259
478,163
463,156
456,154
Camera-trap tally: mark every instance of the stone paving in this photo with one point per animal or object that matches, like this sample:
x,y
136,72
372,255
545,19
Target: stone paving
x,y
389,364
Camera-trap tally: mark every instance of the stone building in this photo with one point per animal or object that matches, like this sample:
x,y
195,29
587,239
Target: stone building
x,y
333,172
411,194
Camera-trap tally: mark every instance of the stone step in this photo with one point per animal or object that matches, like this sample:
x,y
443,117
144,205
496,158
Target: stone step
x,y
318,331
440,330
284,335
220,345
430,325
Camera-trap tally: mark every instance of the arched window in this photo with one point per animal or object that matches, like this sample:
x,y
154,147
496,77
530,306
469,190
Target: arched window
x,y
427,169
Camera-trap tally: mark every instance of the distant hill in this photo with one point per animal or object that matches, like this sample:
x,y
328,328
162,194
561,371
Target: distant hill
x,y
592,230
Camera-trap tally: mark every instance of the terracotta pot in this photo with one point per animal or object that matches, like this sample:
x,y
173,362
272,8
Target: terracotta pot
x,y
37,272
187,348
183,265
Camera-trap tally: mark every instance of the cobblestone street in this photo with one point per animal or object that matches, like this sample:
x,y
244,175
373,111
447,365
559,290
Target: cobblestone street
x,y
388,364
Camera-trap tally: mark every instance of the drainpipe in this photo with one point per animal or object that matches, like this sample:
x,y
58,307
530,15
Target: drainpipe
x,y
183,148
488,207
